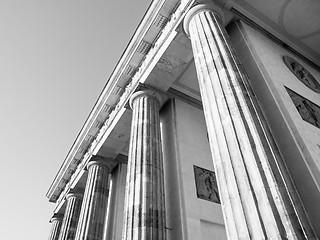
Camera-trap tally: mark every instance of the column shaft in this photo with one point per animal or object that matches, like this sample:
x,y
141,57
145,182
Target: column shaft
x,y
94,206
254,193
144,217
55,229
71,217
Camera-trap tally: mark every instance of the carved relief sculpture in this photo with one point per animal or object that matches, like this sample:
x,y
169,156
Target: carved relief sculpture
x,y
309,111
302,74
206,184
171,64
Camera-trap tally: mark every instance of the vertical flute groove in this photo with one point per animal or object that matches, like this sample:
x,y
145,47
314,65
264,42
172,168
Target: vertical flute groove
x,y
146,210
56,227
71,217
94,207
254,193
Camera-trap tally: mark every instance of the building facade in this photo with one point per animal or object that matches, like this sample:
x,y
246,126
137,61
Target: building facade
x,y
208,128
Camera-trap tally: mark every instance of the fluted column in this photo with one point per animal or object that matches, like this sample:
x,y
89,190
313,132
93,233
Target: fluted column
x,y
71,216
144,217
258,201
94,206
56,221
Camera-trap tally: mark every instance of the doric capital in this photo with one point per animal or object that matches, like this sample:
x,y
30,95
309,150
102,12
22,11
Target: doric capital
x,y
56,217
207,7
143,93
103,162
74,195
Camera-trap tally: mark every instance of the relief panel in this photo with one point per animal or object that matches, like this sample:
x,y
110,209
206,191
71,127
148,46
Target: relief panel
x,y
206,184
309,111
302,74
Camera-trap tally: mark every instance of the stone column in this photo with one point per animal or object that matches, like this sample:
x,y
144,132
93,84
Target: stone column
x,y
71,216
257,200
117,198
94,206
56,221
144,216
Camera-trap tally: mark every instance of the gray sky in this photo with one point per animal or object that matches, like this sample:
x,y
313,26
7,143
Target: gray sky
x,y
55,58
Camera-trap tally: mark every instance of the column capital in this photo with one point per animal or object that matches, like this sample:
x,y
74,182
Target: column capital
x,y
145,216
74,195
108,163
246,165
205,7
94,205
148,92
56,217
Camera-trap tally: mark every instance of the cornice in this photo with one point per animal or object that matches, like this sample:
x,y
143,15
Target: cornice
x,y
60,187
147,20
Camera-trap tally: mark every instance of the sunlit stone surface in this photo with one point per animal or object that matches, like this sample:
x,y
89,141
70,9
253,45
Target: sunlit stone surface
x,y
71,217
144,205
94,206
56,222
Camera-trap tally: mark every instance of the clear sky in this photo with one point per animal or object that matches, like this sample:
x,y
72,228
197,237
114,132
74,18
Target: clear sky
x,y
55,58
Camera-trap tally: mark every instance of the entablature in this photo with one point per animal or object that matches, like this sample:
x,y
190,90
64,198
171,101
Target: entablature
x,y
159,54
150,40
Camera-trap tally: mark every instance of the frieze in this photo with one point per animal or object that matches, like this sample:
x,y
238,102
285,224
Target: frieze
x,y
175,19
131,86
309,111
76,161
206,184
